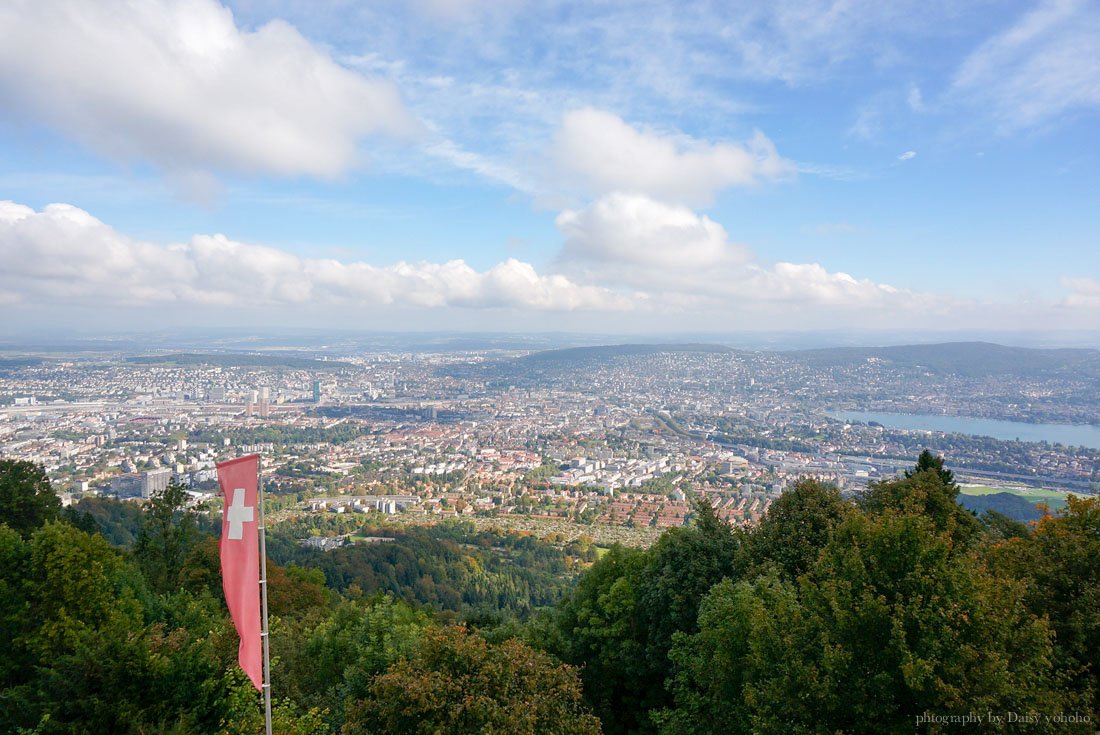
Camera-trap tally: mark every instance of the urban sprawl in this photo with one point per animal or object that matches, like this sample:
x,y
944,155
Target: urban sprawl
x,y
615,445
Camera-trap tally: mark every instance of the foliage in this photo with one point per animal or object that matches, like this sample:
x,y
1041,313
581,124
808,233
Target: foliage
x,y
330,656
620,621
117,520
1059,564
796,527
829,616
924,493
27,500
928,461
862,643
449,567
168,531
457,683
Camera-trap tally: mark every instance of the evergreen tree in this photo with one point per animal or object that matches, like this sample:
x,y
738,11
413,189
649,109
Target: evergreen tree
x,y
928,461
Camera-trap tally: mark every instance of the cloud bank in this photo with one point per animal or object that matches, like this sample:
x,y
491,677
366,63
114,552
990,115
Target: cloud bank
x,y
684,258
599,152
1084,292
64,254
178,84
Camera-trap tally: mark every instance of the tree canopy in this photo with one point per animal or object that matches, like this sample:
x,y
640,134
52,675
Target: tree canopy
x,y
833,614
27,500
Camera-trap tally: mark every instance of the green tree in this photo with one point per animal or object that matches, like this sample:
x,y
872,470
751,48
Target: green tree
x,y
457,683
601,633
925,494
1059,563
716,665
15,619
888,624
328,658
796,528
27,500
621,620
167,533
928,461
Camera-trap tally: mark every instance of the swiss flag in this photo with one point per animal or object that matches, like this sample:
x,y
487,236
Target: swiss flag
x,y
240,553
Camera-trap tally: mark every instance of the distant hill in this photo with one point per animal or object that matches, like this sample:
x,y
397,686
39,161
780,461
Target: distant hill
x,y
237,360
1008,504
603,352
968,359
14,363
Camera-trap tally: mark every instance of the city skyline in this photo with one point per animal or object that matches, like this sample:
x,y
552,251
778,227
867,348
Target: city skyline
x,y
445,165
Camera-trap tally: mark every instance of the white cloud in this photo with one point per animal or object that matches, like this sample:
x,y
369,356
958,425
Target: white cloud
x,y
632,228
1044,66
1084,292
868,121
686,260
812,283
602,153
65,255
907,156
915,99
178,84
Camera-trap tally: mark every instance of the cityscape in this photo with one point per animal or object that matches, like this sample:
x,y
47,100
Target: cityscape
x,y
609,442
632,367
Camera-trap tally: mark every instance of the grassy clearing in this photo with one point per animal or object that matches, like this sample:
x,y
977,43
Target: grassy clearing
x,y
1054,498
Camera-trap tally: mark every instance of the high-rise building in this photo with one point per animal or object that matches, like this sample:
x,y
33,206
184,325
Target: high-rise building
x,y
126,485
316,391
155,481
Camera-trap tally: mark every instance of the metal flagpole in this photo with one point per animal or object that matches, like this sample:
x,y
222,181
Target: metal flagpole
x,y
263,599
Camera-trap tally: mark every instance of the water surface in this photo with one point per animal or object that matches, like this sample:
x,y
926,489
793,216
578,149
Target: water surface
x,y
1082,435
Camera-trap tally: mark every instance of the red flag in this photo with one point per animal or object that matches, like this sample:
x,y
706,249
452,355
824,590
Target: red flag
x,y
239,479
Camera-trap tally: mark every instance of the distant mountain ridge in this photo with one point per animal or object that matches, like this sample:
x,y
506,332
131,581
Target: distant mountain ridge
x,y
601,352
1007,504
969,359
229,359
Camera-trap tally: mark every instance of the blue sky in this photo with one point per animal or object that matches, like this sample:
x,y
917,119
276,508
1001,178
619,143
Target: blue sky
x,y
514,165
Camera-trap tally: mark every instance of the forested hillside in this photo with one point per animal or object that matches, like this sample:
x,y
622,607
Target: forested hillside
x,y
829,616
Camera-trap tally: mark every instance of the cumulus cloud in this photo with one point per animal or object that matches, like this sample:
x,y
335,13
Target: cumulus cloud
x,y
178,84
600,152
687,260
633,228
915,99
64,254
908,155
1045,65
1083,292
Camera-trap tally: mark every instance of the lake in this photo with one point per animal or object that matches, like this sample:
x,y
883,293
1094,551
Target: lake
x,y
1069,434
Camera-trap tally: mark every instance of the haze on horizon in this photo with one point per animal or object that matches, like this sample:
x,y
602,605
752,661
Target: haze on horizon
x,y
620,168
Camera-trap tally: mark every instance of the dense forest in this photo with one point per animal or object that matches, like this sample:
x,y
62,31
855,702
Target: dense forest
x,y
899,612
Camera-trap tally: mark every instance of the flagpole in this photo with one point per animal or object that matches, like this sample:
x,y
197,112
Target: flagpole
x,y
263,600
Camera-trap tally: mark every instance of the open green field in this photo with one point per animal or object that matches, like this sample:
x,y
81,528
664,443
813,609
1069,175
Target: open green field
x,y
1056,499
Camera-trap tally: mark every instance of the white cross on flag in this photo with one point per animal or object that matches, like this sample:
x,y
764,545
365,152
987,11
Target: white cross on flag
x,y
240,554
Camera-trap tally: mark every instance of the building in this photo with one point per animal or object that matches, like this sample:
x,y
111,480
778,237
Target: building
x,y
316,391
155,481
127,485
